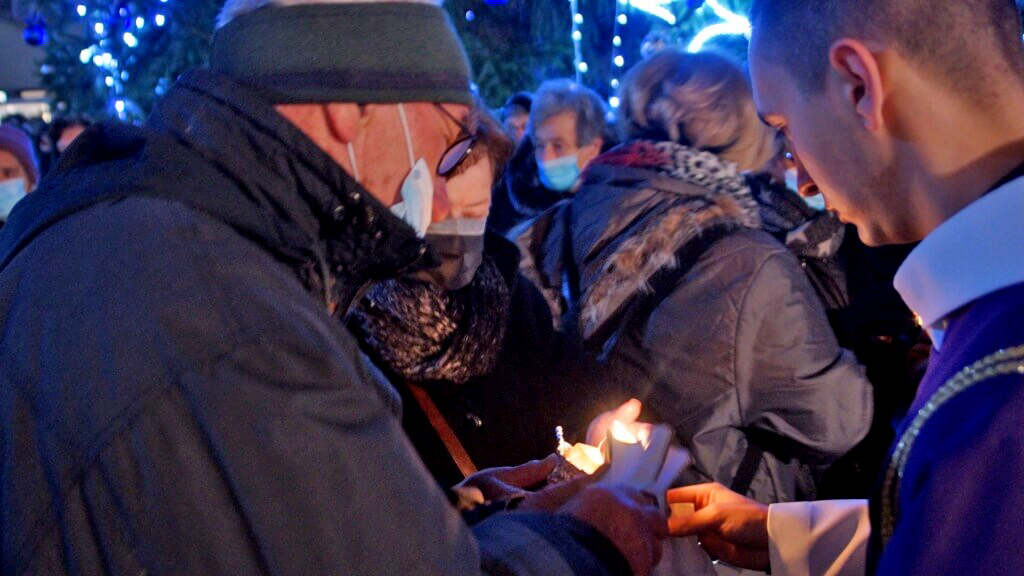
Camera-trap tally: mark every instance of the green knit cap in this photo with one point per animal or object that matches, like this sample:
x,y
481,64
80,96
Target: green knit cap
x,y
365,52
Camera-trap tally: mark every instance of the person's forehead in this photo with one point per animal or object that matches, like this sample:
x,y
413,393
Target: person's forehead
x,y
560,124
9,160
459,112
772,86
446,120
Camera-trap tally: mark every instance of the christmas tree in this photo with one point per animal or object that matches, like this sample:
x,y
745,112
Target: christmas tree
x,y
115,59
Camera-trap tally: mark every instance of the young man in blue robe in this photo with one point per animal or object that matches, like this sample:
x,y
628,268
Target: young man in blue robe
x,y
908,115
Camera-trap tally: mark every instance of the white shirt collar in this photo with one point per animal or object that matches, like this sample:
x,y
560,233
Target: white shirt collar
x,y
975,253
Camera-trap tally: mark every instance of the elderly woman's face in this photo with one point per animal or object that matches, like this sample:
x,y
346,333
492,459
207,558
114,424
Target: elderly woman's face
x,y
11,168
556,138
469,192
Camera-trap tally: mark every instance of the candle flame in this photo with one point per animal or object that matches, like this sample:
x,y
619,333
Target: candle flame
x,y
622,434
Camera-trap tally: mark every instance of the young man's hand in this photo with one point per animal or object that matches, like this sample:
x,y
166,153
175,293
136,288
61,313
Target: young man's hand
x,y
730,527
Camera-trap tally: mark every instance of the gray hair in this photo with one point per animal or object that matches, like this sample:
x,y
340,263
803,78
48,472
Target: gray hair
x,y
556,97
234,8
701,100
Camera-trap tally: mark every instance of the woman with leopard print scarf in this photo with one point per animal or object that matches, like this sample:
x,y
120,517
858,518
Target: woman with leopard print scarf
x,y
660,268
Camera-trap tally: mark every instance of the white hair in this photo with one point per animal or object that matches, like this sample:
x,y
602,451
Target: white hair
x,y
234,8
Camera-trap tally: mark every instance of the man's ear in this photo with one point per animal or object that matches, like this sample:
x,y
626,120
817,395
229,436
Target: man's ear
x,y
344,120
857,70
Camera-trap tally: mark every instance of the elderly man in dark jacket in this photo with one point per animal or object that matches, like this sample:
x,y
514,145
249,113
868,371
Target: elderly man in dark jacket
x,y
177,395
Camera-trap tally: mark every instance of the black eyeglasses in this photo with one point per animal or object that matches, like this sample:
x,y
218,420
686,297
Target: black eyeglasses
x,y
454,156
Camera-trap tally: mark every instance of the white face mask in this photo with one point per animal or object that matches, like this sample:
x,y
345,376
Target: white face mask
x,y
11,191
417,205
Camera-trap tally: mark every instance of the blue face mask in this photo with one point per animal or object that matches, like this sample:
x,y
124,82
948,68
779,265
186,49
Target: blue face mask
x,y
817,202
559,174
792,182
11,191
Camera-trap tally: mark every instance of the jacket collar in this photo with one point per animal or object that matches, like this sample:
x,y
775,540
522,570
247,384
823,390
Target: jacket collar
x,y
971,255
219,148
646,211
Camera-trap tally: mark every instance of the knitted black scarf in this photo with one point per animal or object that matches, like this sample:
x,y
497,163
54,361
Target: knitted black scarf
x,y
424,333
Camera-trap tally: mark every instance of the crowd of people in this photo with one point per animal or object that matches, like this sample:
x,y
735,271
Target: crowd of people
x,y
323,312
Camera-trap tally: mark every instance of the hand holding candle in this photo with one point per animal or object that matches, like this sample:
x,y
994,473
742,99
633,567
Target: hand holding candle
x,y
641,455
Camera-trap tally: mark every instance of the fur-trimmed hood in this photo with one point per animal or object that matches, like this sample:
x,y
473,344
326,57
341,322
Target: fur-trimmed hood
x,y
643,208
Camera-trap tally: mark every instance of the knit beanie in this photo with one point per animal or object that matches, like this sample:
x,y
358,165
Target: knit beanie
x,y
346,52
15,141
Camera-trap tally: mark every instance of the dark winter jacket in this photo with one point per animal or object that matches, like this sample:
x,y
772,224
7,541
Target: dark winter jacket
x,y
175,397
701,315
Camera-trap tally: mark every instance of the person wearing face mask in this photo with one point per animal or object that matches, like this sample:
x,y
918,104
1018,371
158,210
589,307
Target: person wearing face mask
x,y
866,313
660,266
566,131
516,114
469,340
19,169
178,393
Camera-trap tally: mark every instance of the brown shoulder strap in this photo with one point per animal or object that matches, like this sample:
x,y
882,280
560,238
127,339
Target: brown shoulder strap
x,y
440,425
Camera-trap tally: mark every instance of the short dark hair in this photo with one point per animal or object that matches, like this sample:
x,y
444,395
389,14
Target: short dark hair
x,y
961,39
521,101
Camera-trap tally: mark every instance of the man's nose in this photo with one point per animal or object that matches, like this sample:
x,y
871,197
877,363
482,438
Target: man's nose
x,y
806,185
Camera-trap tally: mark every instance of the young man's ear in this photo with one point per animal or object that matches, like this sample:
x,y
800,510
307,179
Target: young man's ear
x,y
856,68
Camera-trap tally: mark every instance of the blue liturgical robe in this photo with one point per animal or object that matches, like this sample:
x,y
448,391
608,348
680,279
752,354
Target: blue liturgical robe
x,y
958,507
952,498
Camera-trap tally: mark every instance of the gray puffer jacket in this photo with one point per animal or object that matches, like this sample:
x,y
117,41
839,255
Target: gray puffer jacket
x,y
659,267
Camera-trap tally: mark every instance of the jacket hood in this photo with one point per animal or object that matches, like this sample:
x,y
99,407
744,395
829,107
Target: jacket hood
x,y
257,173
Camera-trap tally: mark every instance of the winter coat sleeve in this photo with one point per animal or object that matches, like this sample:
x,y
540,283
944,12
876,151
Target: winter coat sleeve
x,y
793,379
324,480
317,467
